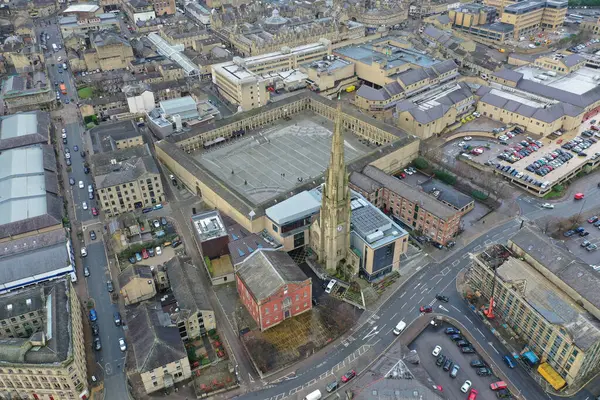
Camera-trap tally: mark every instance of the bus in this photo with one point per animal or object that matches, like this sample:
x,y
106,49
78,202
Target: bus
x,y
54,47
63,88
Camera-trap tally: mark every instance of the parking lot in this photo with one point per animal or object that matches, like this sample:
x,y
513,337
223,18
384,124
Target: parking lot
x,y
424,345
574,243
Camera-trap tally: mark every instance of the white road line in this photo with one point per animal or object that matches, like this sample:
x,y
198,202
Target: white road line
x,y
390,331
438,282
420,301
411,310
394,316
414,294
455,308
478,330
402,295
492,346
469,319
424,290
403,305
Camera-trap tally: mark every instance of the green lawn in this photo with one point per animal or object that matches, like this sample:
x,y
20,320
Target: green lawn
x,y
85,93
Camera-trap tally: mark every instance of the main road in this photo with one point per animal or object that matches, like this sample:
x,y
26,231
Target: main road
x,y
420,289
110,359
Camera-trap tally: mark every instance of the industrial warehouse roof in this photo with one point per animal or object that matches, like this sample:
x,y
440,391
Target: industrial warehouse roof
x,y
33,259
82,8
24,129
264,272
302,204
29,190
179,105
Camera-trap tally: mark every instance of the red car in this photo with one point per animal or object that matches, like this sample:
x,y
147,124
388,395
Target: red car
x,y
94,211
425,309
402,175
579,196
473,394
144,254
348,375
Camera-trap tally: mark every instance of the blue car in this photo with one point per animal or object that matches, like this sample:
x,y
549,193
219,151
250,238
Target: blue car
x,y
451,331
93,315
508,360
569,233
138,257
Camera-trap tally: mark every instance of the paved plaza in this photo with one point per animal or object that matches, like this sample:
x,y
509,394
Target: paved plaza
x,y
279,157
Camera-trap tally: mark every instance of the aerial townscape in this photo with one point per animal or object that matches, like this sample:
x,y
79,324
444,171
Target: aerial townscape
x,y
299,199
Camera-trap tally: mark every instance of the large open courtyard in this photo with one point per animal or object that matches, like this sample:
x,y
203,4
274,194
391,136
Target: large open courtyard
x,y
273,160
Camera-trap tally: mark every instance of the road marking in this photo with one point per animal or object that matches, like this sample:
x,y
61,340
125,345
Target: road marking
x,y
465,256
438,282
421,300
445,271
455,308
478,330
414,294
492,346
455,263
402,295
468,319
487,242
477,248
443,308
411,309
394,316
424,290
324,375
403,305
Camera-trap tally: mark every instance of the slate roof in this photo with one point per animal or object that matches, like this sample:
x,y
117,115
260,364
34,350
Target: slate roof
x,y
186,284
412,76
413,195
444,66
370,93
154,340
131,164
264,272
509,75
133,272
447,193
572,59
548,114
363,182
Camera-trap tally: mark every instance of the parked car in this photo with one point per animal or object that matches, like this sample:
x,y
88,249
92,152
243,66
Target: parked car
x,y
93,315
97,344
452,331
86,271
117,318
158,250
466,386
156,223
454,371
122,344
348,375
467,350
436,351
442,298
92,235
145,254
484,371
95,330
477,364
440,360
448,364
331,386
109,286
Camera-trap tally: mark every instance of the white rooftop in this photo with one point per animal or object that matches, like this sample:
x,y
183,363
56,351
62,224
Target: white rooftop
x,y
515,97
578,82
302,204
77,8
22,184
18,125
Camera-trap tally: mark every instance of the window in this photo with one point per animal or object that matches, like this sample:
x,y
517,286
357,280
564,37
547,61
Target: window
x,y
266,310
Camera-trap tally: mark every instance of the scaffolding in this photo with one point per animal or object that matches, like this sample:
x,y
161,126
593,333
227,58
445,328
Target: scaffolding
x,y
174,53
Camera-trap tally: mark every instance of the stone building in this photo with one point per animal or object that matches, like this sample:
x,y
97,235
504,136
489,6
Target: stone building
x,y
28,92
108,52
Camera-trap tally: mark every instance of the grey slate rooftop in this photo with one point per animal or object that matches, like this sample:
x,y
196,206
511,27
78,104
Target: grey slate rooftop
x,y
186,284
155,341
266,271
23,129
52,296
130,164
416,196
104,137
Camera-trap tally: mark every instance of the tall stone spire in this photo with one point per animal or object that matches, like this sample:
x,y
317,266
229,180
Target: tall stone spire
x,y
335,203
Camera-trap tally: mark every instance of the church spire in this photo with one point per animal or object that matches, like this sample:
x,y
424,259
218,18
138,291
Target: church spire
x,y
337,176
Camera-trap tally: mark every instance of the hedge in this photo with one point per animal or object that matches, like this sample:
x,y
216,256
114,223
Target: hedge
x,y
445,177
479,195
420,163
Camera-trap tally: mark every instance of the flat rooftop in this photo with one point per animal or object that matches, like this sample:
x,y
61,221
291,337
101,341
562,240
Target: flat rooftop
x,y
209,225
394,56
275,159
578,82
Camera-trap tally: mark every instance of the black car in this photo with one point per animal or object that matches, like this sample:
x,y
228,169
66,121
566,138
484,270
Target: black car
x,y
463,343
82,154
502,393
442,298
456,337
65,140
437,245
440,360
452,331
92,235
97,344
109,286
448,364
95,330
332,386
477,364
468,349
86,170
68,162
176,243
584,233
151,252
91,195
484,371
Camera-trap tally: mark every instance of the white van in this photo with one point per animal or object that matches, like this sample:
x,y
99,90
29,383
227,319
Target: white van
x,y
330,286
399,328
316,395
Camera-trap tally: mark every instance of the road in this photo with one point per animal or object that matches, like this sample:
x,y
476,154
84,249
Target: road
x,y
110,359
421,289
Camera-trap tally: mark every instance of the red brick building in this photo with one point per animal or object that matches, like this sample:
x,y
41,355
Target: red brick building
x,y
272,287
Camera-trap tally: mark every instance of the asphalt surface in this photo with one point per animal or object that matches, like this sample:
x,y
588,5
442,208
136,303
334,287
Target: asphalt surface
x,y
424,345
421,289
110,358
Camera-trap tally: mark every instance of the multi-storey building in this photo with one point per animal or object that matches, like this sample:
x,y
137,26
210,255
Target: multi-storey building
x,y
109,52
27,92
160,357
189,307
528,17
245,81
126,180
479,20
273,288
414,208
41,341
546,297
